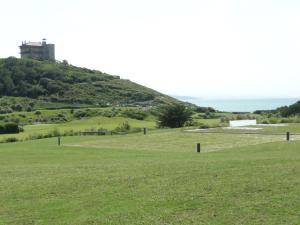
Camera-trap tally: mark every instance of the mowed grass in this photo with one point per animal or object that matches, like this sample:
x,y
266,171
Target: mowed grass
x,y
152,179
80,125
171,140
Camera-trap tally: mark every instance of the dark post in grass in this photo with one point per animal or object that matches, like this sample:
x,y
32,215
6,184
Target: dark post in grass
x,y
145,131
58,140
198,147
288,136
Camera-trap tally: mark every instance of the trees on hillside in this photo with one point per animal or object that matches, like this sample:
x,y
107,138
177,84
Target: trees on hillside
x,y
291,110
60,82
174,115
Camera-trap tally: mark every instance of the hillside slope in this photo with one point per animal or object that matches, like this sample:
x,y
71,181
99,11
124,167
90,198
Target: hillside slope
x,y
291,110
49,82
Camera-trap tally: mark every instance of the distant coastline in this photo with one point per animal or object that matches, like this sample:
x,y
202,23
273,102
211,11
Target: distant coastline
x,y
240,105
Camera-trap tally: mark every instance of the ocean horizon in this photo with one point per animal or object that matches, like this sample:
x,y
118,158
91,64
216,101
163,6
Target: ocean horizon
x,y
240,104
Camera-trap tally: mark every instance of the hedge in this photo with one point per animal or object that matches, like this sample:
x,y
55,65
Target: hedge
x,y
9,128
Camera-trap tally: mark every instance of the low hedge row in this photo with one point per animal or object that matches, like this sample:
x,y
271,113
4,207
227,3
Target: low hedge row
x,y
9,128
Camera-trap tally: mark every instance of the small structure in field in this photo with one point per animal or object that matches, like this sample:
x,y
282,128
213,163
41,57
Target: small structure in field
x,y
241,123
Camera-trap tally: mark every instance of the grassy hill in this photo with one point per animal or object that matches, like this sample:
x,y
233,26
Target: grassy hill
x,y
30,82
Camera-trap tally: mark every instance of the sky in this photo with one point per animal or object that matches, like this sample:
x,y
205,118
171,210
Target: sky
x,y
215,48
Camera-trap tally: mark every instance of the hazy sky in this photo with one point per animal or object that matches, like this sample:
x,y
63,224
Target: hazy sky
x,y
183,47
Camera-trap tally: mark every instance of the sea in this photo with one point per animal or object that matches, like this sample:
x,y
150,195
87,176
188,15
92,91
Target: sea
x,y
240,105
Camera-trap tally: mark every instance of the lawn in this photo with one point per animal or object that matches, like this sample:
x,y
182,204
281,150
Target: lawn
x,y
152,179
80,125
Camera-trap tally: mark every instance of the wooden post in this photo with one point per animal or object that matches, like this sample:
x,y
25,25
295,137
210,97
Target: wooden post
x,y
198,147
288,136
58,140
145,131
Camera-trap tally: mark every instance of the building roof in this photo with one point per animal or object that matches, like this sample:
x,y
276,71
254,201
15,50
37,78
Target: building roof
x,y
33,43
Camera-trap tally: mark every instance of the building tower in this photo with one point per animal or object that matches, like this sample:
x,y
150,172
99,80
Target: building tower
x,y
38,50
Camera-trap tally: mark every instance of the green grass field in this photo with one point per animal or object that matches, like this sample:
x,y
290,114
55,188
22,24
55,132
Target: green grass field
x,y
80,125
152,179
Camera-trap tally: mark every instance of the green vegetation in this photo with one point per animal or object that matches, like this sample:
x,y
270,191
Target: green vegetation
x,y
49,123
73,127
284,114
174,116
201,109
151,179
287,111
9,128
38,83
67,115
127,177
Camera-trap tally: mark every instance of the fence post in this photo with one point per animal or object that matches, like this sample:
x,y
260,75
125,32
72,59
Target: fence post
x,y
198,147
145,131
288,136
58,140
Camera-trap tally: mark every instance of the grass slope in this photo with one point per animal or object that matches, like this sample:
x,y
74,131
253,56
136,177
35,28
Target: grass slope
x,y
119,182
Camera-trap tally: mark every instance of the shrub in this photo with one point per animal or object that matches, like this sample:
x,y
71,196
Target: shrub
x,y
37,113
192,123
28,109
209,115
174,115
227,118
11,128
273,120
22,115
136,130
285,120
35,136
265,121
205,109
124,127
11,139
70,133
61,117
204,126
17,107
56,132
80,114
134,114
2,129
4,110
108,114
15,120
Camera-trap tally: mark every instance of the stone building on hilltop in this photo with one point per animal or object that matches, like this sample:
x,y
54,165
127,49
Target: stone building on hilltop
x,y
38,50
